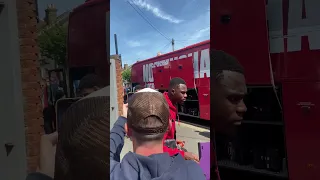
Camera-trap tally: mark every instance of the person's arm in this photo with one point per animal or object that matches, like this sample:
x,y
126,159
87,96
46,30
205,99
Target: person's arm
x,y
48,144
117,134
172,152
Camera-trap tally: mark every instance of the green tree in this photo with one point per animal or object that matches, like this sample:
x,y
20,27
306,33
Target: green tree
x,y
126,75
53,43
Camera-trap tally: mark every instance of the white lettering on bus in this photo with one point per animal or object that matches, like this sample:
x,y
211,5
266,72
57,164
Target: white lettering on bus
x,y
199,71
297,26
275,21
205,63
196,65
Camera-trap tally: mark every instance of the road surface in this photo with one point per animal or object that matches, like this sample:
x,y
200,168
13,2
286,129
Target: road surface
x,y
185,132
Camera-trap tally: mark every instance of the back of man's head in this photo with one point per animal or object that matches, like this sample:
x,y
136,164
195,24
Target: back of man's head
x,y
148,117
83,141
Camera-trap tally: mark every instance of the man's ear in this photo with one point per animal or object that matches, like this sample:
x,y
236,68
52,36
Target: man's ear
x,y
127,130
173,90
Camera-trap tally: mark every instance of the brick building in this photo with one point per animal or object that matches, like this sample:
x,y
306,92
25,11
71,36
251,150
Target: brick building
x,y
21,111
119,84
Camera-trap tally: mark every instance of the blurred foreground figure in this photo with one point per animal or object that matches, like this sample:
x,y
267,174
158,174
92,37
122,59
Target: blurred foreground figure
x,y
146,124
80,150
83,141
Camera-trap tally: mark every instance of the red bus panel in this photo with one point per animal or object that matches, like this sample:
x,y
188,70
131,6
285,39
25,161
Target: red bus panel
x,y
179,68
240,29
301,114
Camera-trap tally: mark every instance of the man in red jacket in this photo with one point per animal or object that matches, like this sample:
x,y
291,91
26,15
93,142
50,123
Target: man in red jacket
x,y
177,93
227,93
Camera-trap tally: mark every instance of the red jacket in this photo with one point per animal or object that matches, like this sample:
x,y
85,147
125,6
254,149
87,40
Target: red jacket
x,y
171,131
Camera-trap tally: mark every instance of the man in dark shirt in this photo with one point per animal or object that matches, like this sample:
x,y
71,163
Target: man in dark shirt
x,y
228,90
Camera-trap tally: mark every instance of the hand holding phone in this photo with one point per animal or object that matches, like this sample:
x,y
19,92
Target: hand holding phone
x,y
125,110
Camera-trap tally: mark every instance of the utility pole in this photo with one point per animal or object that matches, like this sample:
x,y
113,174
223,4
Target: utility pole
x,y
116,43
172,43
116,46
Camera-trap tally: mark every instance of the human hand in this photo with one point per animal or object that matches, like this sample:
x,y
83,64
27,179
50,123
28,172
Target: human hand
x,y
125,110
180,143
190,156
48,145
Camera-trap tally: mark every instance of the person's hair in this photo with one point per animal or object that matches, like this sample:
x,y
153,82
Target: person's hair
x,y
221,61
82,149
91,81
175,82
138,87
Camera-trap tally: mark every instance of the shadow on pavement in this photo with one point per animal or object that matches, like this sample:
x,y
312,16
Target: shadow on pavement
x,y
204,134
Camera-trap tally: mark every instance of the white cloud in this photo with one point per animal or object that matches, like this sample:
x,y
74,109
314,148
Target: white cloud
x,y
156,11
200,33
191,31
133,43
195,30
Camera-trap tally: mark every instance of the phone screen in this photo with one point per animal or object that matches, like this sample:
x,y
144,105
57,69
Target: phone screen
x,y
61,107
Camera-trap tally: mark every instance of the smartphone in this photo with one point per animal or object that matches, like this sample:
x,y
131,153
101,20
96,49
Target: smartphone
x,y
61,107
127,97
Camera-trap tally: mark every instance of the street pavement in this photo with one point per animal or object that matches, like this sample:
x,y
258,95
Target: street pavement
x,y
185,132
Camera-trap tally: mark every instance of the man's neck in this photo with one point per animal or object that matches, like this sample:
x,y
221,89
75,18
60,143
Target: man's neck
x,y
170,98
147,150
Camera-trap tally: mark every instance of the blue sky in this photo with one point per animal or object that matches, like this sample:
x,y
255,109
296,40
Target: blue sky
x,y
187,21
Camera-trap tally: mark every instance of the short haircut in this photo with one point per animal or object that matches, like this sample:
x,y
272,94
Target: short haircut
x,y
83,141
138,87
147,138
176,81
221,61
91,81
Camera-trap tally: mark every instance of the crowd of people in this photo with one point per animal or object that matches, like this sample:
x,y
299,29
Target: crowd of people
x,y
78,150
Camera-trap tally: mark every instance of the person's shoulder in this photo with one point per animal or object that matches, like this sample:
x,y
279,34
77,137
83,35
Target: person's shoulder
x,y
194,170
191,163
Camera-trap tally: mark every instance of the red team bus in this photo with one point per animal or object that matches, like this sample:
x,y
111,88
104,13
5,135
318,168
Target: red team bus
x,y
192,64
278,43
